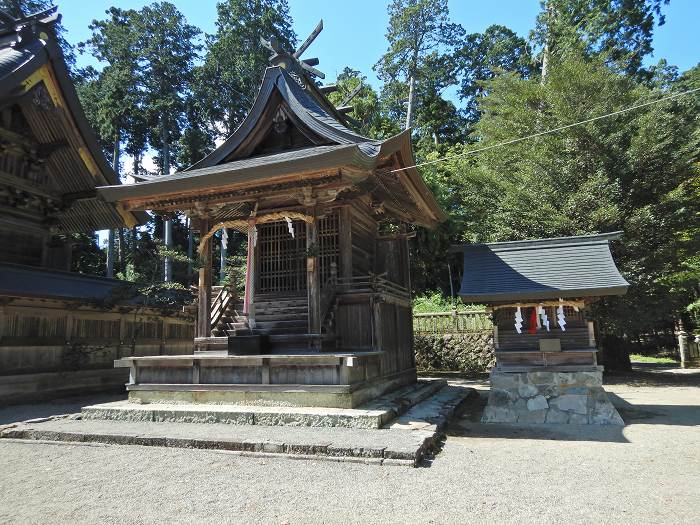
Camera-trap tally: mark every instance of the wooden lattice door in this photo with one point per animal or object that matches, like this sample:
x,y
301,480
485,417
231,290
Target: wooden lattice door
x,y
282,258
328,244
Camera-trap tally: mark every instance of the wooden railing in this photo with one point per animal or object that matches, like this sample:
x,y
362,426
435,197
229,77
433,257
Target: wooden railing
x,y
220,303
451,322
693,348
371,284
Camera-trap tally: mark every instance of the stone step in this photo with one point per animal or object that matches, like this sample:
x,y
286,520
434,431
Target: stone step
x,y
281,310
370,446
372,433
374,414
280,305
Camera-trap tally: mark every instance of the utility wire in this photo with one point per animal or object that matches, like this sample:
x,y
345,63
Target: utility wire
x,y
520,139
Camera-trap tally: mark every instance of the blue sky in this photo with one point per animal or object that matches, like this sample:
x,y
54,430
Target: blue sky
x,y
354,32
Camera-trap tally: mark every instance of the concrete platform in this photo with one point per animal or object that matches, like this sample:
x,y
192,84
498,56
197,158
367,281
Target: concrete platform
x,y
406,442
372,415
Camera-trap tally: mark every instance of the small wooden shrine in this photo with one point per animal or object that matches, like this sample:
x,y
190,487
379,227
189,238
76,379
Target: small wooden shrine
x,y
539,293
326,314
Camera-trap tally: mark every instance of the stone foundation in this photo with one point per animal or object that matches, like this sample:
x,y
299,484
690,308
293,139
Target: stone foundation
x,y
549,397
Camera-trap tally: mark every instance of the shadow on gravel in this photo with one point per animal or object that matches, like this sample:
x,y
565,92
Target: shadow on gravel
x,y
677,415
68,405
660,377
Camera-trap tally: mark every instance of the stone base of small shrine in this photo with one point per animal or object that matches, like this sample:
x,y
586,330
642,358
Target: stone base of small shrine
x,y
550,396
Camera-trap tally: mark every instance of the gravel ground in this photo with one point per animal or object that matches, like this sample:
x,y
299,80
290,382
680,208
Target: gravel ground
x,y
648,472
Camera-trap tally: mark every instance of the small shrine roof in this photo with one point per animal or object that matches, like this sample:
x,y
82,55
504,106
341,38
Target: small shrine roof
x,y
538,269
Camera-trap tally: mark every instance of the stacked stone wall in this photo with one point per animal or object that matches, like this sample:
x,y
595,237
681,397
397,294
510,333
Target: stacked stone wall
x,y
460,352
549,397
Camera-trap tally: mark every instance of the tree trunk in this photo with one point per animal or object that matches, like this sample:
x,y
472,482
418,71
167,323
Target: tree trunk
x,y
167,223
411,101
548,41
110,236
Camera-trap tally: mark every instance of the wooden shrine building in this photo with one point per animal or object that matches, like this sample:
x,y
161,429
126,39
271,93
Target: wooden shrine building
x,y
50,162
539,293
55,336
326,310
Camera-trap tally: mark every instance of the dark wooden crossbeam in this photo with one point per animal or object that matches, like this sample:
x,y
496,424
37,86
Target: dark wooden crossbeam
x,y
351,95
309,40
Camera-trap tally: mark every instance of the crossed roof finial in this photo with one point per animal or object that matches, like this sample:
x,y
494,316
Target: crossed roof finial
x,y
282,58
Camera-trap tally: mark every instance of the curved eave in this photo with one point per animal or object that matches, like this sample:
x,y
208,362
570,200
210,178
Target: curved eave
x,y
259,171
304,106
411,177
47,54
538,295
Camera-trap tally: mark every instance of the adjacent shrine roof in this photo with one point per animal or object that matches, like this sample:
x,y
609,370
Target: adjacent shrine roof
x,y
43,123
293,130
563,267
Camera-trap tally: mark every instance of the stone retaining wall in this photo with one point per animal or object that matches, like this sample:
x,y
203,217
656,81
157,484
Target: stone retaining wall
x,y
463,352
549,397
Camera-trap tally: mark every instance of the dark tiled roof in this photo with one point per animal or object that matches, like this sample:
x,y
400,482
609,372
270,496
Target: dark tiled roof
x,y
303,104
563,267
26,281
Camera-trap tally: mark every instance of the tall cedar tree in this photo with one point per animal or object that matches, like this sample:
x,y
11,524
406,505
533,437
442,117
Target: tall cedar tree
x,y
236,60
420,37
168,51
621,31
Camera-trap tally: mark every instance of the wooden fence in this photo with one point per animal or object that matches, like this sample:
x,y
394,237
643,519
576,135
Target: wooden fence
x,y
453,322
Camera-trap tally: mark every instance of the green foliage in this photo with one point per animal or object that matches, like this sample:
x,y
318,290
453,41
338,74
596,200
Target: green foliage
x,y
366,112
435,301
235,59
620,31
483,55
637,358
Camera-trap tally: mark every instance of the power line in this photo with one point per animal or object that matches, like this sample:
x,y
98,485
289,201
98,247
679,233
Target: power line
x,y
534,135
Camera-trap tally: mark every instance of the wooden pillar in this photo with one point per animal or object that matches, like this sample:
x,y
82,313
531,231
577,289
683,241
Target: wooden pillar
x,y
345,241
249,294
313,285
204,290
591,334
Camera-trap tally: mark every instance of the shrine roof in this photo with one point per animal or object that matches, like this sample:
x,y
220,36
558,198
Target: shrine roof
x,y
261,150
27,281
538,269
305,102
30,57
247,170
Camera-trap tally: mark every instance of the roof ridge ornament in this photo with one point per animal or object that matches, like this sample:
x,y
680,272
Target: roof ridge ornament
x,y
25,26
292,61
